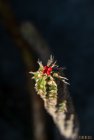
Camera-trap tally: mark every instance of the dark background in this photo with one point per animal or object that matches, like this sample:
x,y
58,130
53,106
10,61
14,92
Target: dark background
x,y
68,28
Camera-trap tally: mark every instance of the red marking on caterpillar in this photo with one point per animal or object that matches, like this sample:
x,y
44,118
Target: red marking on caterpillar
x,y
47,70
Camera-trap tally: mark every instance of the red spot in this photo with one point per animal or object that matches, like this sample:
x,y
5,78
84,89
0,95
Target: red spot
x,y
47,70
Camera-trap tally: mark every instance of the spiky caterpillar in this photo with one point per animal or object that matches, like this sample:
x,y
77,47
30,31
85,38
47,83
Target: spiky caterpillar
x,y
52,88
45,83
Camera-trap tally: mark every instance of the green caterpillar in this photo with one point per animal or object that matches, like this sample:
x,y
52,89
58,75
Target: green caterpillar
x,y
45,83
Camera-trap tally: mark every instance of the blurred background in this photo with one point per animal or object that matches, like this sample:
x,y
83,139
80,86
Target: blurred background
x,y
32,29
